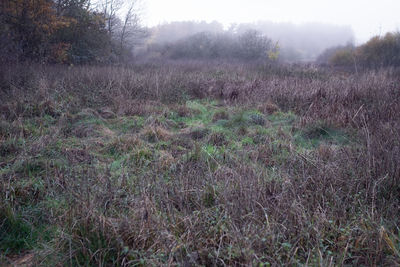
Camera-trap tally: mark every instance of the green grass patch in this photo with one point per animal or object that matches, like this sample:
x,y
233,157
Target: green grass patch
x,y
19,234
125,125
282,118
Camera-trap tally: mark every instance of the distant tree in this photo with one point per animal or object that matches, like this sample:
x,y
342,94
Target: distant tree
x,y
290,54
248,46
325,57
131,33
252,45
179,30
376,53
195,47
381,51
124,28
345,57
303,42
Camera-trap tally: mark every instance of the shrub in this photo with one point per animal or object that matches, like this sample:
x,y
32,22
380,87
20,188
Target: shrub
x,y
248,46
376,53
381,51
343,57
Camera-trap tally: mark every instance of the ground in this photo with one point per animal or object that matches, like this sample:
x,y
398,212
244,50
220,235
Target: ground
x,y
199,181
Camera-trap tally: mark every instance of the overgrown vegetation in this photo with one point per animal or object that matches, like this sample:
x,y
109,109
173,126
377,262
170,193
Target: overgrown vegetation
x,y
378,52
297,42
247,46
68,31
198,164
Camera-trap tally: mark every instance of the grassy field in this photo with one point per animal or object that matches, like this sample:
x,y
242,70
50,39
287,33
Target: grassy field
x,y
199,165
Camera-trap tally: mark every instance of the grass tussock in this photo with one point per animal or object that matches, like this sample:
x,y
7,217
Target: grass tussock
x,y
104,166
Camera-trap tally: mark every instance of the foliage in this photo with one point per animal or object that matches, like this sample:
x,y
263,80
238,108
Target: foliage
x,y
86,36
297,43
343,57
337,56
58,31
252,45
248,46
381,51
30,24
376,53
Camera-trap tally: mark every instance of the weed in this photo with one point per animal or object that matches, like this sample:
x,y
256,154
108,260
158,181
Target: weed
x,y
10,147
218,139
220,115
199,133
17,234
257,119
214,165
267,108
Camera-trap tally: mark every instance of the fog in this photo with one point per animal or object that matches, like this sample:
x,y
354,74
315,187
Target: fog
x,y
296,42
366,18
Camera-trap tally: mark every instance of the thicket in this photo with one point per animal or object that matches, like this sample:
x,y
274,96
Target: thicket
x,y
378,52
297,42
65,31
248,46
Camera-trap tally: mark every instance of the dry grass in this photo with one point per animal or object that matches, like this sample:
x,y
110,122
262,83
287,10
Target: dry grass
x,y
110,166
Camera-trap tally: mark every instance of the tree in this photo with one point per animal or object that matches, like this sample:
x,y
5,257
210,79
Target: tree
x,y
248,46
376,53
29,25
125,33
253,45
65,31
131,32
381,51
109,9
131,27
86,36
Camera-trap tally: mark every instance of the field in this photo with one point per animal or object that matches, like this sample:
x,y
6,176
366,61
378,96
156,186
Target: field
x,y
196,164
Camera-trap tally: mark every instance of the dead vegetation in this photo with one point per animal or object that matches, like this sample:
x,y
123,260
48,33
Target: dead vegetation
x,y
108,166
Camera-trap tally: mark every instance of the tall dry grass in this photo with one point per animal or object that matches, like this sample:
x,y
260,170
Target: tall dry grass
x,y
333,202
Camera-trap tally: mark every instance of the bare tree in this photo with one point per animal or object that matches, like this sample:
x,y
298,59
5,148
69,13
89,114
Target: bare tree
x,y
110,8
123,24
132,33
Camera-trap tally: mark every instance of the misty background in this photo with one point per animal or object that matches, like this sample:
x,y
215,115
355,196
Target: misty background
x,y
303,42
366,18
128,31
302,30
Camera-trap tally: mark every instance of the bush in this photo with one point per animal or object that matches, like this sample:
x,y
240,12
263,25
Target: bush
x,y
381,51
377,52
248,46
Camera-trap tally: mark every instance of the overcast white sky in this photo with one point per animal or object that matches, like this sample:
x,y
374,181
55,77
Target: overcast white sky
x,y
367,17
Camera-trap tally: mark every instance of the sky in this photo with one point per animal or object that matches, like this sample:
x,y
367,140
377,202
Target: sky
x,y
366,17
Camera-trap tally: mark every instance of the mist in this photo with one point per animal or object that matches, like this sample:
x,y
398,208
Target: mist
x,y
199,133
296,42
366,18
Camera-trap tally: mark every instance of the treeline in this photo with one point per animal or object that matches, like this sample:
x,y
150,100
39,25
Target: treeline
x,y
248,46
67,31
379,51
178,30
302,42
